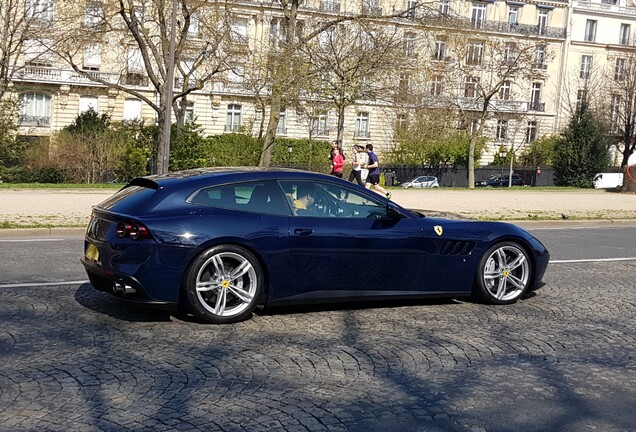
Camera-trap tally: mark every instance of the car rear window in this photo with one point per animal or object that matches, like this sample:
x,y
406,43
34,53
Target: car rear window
x,y
128,199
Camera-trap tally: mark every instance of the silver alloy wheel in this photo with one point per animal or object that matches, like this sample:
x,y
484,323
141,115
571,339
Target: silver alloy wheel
x,y
226,284
506,273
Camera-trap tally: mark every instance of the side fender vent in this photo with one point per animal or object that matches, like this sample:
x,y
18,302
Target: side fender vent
x,y
457,247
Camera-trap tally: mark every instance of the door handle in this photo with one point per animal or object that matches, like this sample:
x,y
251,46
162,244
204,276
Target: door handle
x,y
303,231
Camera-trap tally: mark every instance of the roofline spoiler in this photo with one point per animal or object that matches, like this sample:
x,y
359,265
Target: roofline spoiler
x,y
143,182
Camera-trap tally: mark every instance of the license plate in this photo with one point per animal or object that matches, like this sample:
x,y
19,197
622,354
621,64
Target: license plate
x,y
92,253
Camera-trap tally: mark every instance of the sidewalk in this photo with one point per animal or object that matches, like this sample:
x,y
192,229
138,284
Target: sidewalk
x,y
72,207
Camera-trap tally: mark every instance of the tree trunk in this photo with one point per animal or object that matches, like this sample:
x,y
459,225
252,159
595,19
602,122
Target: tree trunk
x,y
272,125
162,148
629,179
341,119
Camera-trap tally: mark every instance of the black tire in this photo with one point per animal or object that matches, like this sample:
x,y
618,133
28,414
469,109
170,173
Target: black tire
x,y
504,274
224,284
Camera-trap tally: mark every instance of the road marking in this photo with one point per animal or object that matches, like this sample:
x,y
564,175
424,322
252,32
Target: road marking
x,y
42,284
591,260
29,240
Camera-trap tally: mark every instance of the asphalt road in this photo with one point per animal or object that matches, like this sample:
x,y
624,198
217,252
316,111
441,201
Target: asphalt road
x,y
563,359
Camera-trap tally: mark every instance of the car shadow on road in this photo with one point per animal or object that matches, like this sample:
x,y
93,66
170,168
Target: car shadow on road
x,y
351,305
114,307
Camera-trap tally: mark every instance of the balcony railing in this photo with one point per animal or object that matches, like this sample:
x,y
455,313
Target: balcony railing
x,y
135,79
602,7
28,120
537,106
499,26
371,10
44,73
234,127
329,6
540,65
362,134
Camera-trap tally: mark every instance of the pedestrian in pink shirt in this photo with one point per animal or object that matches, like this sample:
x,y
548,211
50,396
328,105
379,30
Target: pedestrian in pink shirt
x,y
338,163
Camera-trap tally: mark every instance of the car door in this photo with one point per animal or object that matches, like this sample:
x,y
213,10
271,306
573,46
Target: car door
x,y
347,242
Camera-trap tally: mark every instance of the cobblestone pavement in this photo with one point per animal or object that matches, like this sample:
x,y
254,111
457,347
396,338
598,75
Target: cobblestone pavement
x,y
564,359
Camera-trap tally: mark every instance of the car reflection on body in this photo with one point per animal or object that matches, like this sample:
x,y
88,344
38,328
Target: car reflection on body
x,y
501,181
219,242
422,182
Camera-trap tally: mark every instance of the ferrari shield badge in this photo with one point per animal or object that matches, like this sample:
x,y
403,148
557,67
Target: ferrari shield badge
x,y
438,230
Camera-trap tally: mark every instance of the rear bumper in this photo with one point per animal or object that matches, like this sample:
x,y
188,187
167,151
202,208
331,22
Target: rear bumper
x,y
123,286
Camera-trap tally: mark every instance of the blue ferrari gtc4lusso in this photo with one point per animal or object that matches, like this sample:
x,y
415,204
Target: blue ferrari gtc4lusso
x,y
219,242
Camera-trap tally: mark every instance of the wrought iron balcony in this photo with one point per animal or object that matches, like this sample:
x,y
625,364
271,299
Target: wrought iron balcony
x,y
371,10
537,106
28,120
234,127
135,79
329,6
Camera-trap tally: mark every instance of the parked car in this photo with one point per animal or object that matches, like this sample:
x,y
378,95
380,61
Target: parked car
x,y
218,242
422,182
501,181
608,180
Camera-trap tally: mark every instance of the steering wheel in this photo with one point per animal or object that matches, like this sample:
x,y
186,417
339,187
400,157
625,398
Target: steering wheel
x,y
320,206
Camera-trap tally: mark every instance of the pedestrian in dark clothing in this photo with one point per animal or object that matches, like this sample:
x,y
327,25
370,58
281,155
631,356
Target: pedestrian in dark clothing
x,y
373,178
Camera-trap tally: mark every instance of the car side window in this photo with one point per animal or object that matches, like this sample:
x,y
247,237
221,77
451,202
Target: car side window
x,y
324,199
258,197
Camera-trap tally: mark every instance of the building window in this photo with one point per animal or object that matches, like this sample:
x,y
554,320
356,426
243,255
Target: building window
x,y
404,85
92,58
88,102
510,52
535,97
330,5
371,7
276,34
440,49
411,8
362,125
502,129
94,14
233,118
542,21
581,98
35,109
513,16
319,125
478,15
586,67
590,31
531,131
539,56
195,26
504,91
474,52
409,44
616,113
470,87
282,123
238,31
36,53
444,7
132,109
623,37
189,116
40,10
619,69
138,13
437,86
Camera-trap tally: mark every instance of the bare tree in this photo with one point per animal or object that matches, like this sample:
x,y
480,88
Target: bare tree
x,y
620,104
353,62
206,42
288,66
474,69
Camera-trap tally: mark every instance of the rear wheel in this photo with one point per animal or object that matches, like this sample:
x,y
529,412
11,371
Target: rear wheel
x,y
224,284
504,274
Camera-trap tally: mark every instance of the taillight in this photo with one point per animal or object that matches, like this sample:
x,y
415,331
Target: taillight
x,y
135,231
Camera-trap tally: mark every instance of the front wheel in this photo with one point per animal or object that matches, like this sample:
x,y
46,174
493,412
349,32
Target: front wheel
x,y
224,284
504,274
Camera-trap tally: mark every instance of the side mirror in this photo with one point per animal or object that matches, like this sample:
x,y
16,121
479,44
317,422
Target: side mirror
x,y
393,211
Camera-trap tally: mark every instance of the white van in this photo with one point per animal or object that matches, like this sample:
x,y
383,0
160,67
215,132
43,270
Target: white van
x,y
608,180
